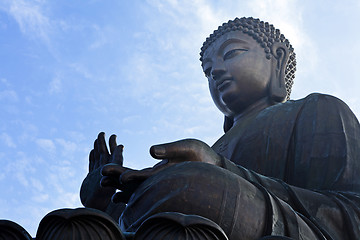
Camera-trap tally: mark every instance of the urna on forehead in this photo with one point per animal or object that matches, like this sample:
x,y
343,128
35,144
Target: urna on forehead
x,y
263,33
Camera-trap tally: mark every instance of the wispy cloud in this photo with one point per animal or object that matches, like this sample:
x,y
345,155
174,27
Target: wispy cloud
x,y
20,167
179,42
9,95
191,22
35,22
101,36
40,198
36,184
68,200
5,82
81,69
7,140
288,17
31,19
46,144
68,147
55,86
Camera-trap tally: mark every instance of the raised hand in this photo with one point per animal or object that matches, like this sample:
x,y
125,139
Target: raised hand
x,y
100,155
127,180
91,193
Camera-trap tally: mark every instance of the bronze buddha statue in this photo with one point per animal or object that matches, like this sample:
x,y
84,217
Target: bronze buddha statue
x,y
284,168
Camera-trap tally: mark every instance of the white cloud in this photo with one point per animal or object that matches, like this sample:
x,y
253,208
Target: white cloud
x,y
29,131
68,147
55,85
20,167
40,198
101,34
150,77
81,69
288,17
191,23
5,81
68,200
131,118
7,140
29,215
59,179
46,144
140,69
36,184
31,19
9,95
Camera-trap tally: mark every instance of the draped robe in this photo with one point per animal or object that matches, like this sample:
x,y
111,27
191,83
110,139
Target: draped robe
x,y
303,155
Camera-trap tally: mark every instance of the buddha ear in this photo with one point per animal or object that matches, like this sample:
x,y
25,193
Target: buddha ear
x,y
280,54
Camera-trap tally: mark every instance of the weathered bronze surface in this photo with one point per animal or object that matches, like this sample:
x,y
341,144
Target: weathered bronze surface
x,y
81,223
284,169
12,231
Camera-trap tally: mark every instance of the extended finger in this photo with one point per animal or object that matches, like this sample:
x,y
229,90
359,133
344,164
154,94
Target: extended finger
x,y
102,144
141,175
113,170
104,159
179,149
112,143
96,151
117,155
91,161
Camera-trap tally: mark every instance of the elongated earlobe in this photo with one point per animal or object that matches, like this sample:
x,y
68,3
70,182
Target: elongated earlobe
x,y
280,55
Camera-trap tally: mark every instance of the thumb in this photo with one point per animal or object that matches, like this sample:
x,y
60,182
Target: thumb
x,y
174,150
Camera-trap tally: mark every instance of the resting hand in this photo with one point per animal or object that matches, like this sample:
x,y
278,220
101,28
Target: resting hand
x,y
127,180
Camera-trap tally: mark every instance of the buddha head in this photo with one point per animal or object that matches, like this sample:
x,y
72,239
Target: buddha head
x,y
248,63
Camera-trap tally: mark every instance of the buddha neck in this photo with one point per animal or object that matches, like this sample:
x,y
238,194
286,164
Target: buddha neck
x,y
254,108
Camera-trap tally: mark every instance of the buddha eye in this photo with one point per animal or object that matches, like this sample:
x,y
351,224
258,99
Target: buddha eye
x,y
234,52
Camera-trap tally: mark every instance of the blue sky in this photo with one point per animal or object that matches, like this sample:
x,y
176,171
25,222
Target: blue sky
x,y
70,69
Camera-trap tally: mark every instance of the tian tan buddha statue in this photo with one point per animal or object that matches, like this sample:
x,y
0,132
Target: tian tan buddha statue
x,y
284,169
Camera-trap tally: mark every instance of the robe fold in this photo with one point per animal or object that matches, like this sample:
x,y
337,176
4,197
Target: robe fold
x,y
298,160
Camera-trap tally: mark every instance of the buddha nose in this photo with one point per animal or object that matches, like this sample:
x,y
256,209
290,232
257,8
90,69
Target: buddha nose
x,y
218,70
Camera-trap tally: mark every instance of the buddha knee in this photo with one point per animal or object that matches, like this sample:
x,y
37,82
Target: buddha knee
x,y
189,188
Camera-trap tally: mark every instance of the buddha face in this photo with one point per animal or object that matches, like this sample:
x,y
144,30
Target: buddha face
x,y
238,72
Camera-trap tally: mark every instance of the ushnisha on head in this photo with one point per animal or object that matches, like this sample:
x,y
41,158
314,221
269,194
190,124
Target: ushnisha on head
x,y
268,38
